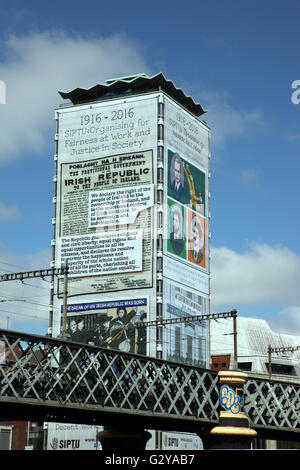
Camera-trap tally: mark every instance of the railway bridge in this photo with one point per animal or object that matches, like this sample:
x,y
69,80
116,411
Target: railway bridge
x,y
45,379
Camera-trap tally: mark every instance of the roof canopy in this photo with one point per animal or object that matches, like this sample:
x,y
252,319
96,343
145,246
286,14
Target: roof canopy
x,y
132,85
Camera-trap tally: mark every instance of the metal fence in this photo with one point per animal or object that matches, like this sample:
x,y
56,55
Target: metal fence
x,y
50,370
36,370
273,404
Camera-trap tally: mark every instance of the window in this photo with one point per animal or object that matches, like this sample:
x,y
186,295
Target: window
x,y
245,366
282,369
5,437
189,352
177,341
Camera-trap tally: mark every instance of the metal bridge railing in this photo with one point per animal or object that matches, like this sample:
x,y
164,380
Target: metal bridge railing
x,y
43,369
40,370
272,404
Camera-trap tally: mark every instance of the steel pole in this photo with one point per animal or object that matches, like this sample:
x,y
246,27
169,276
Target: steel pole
x,y
64,325
235,338
270,361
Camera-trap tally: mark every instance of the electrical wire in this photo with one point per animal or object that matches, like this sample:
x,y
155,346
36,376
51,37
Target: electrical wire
x,y
25,315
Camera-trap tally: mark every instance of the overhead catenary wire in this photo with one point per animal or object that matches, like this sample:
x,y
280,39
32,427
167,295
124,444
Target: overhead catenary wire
x,y
192,318
277,350
22,298
27,302
32,274
42,273
24,315
36,274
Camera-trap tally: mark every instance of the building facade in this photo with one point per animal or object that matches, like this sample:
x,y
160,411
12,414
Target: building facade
x,y
131,218
254,336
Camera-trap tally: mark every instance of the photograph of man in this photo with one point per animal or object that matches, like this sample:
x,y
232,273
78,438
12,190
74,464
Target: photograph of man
x,y
196,240
122,331
102,330
141,333
176,229
72,328
177,177
78,331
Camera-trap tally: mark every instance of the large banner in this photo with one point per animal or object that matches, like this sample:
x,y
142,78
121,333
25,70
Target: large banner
x,y
186,210
110,324
108,128
175,441
186,134
186,182
187,341
105,196
186,197
185,274
106,231
80,196
63,436
186,266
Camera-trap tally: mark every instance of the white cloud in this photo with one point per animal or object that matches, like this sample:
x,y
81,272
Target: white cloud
x,y
8,213
24,305
249,176
263,274
287,321
227,121
11,261
293,136
37,66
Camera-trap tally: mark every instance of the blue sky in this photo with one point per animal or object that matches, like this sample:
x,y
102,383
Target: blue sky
x,y
237,58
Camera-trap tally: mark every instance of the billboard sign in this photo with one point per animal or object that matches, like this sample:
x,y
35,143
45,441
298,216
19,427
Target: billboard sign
x,y
186,182
186,342
110,324
175,441
106,223
185,274
105,195
61,436
186,134
187,195
130,259
186,268
186,210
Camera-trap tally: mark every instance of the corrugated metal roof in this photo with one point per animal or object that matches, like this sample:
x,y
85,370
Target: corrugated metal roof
x,y
254,337
135,84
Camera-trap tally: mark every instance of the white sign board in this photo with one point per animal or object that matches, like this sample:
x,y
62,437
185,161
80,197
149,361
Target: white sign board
x,y
105,194
110,128
118,206
102,253
62,436
186,134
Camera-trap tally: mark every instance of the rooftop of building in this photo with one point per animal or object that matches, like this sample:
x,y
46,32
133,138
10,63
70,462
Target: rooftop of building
x,y
254,336
133,85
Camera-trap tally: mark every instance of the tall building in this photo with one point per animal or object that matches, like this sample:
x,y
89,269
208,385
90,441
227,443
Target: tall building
x,y
254,336
131,218
131,222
